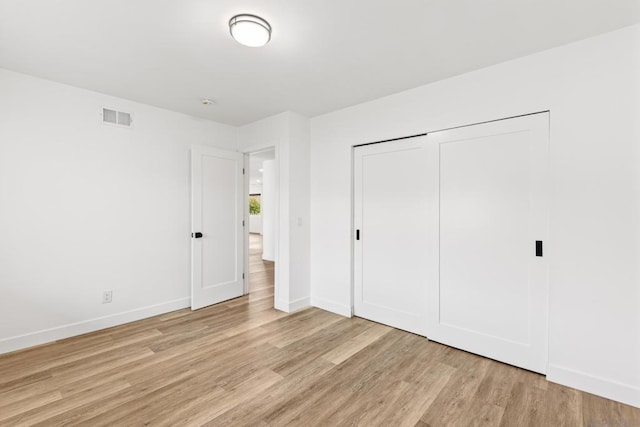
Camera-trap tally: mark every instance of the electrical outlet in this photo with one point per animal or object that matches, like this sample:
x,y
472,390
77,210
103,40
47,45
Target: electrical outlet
x,y
107,296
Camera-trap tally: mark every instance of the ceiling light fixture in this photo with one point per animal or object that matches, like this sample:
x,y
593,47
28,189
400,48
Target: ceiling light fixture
x,y
207,101
250,30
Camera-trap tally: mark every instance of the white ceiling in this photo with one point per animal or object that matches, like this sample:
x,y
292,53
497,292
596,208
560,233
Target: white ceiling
x,y
324,54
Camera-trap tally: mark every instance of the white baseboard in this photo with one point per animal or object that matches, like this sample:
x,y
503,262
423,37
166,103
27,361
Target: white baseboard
x,y
72,329
291,306
299,304
332,306
614,390
281,305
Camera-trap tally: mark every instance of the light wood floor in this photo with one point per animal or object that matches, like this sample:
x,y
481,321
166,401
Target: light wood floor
x,y
243,363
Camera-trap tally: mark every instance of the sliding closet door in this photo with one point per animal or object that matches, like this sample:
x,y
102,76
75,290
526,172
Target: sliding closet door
x,y
390,208
488,284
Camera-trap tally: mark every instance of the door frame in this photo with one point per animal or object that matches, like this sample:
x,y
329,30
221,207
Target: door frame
x,y
246,175
276,279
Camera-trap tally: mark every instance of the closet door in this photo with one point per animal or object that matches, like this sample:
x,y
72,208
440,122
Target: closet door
x,y
488,281
390,221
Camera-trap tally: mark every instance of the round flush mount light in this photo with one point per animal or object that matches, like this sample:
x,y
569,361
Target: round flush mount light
x,y
250,30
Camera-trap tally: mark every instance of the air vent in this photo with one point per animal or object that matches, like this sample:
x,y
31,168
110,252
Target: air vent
x,y
117,118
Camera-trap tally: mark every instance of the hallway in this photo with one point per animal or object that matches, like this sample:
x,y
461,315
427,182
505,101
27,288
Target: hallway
x,y
261,273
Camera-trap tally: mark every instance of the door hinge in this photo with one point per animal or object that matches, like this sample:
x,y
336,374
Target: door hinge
x,y
243,275
243,222
242,171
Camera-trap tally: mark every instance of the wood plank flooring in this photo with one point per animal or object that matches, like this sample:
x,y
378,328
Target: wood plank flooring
x,y
241,363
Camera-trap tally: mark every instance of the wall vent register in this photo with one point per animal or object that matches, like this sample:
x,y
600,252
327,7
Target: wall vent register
x,y
117,118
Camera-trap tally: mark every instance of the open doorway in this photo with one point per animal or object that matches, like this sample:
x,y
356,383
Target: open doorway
x,y
262,199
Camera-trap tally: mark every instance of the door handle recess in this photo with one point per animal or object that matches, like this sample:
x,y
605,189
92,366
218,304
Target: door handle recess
x,y
197,235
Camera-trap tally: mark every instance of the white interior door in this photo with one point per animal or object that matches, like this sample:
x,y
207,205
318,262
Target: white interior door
x,y
217,250
488,288
389,207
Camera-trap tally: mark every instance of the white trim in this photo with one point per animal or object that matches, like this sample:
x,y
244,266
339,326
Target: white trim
x,y
625,393
352,236
281,305
292,306
332,306
246,175
73,329
299,304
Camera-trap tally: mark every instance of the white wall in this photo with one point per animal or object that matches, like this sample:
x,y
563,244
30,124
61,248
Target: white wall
x,y
255,189
593,91
255,224
289,134
269,200
300,207
86,207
